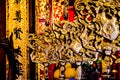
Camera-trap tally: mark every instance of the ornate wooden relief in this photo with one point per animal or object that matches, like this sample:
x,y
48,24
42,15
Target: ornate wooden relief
x,y
81,31
94,29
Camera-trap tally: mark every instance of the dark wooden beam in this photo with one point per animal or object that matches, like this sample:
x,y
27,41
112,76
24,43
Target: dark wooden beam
x,y
31,30
31,16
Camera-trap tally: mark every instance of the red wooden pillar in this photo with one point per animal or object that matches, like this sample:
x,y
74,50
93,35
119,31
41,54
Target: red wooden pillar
x,y
2,19
2,36
118,65
2,65
51,12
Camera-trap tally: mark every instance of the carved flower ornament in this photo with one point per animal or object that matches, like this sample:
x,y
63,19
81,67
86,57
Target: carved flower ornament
x,y
109,29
